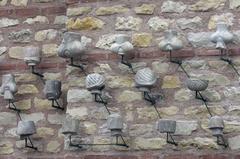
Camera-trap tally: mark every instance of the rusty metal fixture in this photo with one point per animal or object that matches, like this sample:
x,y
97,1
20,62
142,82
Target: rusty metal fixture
x,y
52,91
122,46
216,125
73,46
25,129
169,127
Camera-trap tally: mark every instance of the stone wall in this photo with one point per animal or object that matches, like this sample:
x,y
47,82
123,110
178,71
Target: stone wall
x,y
42,22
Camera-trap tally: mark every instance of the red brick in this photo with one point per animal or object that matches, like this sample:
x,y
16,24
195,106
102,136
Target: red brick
x,y
96,57
6,12
5,66
221,156
56,9
71,1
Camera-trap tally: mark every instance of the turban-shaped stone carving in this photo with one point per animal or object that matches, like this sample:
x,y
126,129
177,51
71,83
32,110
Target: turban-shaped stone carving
x,y
52,89
216,124
166,126
8,87
197,84
145,78
222,36
32,55
25,129
95,82
72,45
121,45
170,41
115,124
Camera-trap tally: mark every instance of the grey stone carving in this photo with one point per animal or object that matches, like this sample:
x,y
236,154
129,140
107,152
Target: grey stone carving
x,y
222,36
197,84
32,55
72,45
52,89
8,87
26,129
170,41
166,126
70,126
95,82
122,44
115,124
145,79
216,125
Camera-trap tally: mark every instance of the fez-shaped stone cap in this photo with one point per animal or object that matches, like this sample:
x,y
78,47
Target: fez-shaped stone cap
x,y
222,36
115,122
72,45
26,128
70,126
52,89
166,126
216,124
8,87
95,82
122,44
145,78
32,55
170,41
197,84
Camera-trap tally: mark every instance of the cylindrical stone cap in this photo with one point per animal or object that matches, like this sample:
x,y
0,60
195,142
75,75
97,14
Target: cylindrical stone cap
x,y
52,89
166,126
70,126
26,128
114,122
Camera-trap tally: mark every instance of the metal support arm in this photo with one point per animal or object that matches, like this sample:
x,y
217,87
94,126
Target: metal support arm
x,y
56,106
78,66
98,98
221,141
169,136
125,62
36,73
152,99
30,146
200,96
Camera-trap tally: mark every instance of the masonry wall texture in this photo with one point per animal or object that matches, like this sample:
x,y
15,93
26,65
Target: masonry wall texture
x,y
42,22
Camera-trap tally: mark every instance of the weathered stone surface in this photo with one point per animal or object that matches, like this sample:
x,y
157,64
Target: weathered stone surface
x,y
11,132
80,113
37,19
3,2
183,95
87,23
22,36
111,10
228,18
24,104
27,89
211,95
8,118
19,2
192,23
206,5
56,118
201,111
231,126
200,142
52,76
1,37
149,143
160,67
16,52
78,11
43,1
49,34
173,7
102,68
234,110
6,148
42,104
217,64
106,41
196,64
234,142
143,130
89,127
128,23
36,117
135,66
234,4
147,113
142,39
185,127
119,81
49,50
168,111
79,95
101,140
158,24
45,131
128,96
145,9
53,146
171,82
5,22
3,50
200,39
25,77
62,19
